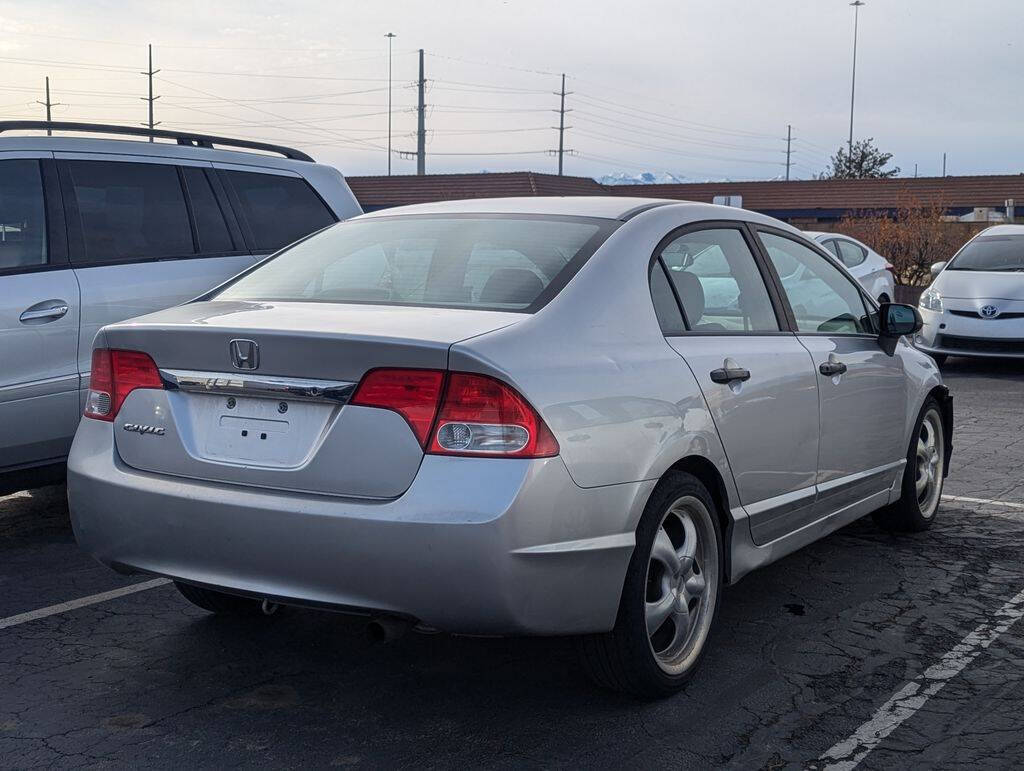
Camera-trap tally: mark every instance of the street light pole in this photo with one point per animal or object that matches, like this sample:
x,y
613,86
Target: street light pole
x,y
853,80
390,36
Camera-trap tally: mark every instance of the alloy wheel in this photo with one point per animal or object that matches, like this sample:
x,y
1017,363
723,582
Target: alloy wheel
x,y
682,584
930,455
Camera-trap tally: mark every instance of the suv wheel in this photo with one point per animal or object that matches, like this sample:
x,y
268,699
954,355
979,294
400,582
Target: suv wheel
x,y
670,597
923,476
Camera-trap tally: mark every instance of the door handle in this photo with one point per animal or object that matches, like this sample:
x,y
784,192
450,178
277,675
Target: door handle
x,y
729,374
830,368
34,314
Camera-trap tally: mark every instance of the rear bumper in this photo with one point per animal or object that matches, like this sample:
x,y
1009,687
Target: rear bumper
x,y
475,545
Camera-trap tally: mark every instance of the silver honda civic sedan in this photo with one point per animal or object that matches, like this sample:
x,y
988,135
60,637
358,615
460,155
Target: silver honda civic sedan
x,y
510,416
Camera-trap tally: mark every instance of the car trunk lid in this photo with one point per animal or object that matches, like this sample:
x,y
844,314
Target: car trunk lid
x,y
257,393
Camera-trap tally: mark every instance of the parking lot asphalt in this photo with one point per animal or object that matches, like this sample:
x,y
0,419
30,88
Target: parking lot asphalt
x,y
891,651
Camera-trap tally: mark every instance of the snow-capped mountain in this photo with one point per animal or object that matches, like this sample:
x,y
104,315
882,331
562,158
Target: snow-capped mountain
x,y
643,178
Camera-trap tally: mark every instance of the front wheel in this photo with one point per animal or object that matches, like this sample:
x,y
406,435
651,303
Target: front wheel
x,y
923,476
670,597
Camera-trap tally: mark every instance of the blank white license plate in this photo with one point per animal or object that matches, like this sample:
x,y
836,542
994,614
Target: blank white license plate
x,y
259,432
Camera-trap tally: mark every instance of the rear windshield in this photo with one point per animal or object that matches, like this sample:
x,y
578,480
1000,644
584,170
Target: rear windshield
x,y
996,253
488,262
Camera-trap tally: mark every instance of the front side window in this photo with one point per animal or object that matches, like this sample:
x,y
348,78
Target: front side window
x,y
823,299
279,209
992,253
460,262
718,282
129,211
22,215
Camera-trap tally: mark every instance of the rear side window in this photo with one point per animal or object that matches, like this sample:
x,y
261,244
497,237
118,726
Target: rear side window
x,y
211,229
22,215
129,211
851,254
665,306
718,282
503,263
278,209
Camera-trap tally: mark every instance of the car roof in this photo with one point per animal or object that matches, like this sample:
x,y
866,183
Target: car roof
x,y
158,149
1003,230
613,207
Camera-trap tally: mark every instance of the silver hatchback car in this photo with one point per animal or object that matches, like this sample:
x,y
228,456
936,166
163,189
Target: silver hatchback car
x,y
510,416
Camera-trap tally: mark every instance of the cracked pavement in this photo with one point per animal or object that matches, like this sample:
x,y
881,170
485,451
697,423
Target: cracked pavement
x,y
805,652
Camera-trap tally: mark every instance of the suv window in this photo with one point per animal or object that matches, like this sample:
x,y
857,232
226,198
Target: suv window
x,y
823,298
211,229
22,215
718,282
279,209
850,253
129,211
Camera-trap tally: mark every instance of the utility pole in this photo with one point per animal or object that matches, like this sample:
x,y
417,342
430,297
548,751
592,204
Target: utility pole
x,y
561,125
789,144
421,131
48,104
915,171
853,80
150,72
943,164
390,36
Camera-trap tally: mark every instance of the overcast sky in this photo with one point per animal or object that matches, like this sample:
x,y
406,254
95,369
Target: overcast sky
x,y
702,89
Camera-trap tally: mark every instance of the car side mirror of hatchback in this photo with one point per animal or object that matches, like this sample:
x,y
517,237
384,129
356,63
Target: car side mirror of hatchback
x,y
936,268
894,321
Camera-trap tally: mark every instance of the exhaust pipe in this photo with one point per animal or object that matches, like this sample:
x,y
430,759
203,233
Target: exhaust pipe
x,y
385,629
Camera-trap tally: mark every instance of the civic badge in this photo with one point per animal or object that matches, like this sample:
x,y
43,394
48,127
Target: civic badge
x,y
245,354
989,311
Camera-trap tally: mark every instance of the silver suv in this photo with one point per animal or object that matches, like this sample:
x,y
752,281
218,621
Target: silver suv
x,y
515,416
93,231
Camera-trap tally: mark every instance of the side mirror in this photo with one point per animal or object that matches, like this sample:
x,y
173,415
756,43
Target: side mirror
x,y
896,320
937,268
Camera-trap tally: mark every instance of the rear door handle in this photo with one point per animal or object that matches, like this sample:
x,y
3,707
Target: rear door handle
x,y
51,312
830,368
729,374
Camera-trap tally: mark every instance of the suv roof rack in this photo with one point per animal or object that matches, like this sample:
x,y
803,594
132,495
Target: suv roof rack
x,y
186,138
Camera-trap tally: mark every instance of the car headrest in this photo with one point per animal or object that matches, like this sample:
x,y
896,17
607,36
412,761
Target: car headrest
x,y
691,294
511,285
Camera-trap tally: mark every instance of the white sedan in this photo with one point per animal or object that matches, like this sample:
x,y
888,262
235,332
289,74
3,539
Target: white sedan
x,y
871,269
975,305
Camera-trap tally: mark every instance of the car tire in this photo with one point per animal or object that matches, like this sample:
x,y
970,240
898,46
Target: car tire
x,y
923,476
675,574
222,603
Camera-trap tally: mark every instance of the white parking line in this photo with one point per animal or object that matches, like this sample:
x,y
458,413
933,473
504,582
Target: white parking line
x,y
92,599
848,753
986,501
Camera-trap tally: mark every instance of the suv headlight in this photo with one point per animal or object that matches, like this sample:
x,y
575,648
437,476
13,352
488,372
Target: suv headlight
x,y
931,301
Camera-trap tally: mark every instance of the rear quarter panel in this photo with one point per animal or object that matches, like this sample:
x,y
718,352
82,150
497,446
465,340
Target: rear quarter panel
x,y
622,403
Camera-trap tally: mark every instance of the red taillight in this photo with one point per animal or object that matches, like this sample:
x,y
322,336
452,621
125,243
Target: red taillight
x,y
412,393
114,375
483,416
478,415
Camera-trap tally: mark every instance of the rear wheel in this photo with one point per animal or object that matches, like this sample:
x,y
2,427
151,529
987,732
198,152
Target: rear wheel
x,y
223,603
923,476
670,597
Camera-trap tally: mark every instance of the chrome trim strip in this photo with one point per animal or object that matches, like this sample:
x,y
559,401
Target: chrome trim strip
x,y
238,384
